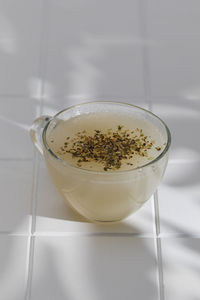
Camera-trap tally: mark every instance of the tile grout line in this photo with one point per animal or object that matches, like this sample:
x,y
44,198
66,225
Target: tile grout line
x,y
16,96
102,233
142,8
160,269
144,50
156,214
158,247
44,51
94,234
31,239
31,242
15,159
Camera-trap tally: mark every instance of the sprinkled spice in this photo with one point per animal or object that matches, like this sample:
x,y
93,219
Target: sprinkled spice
x,y
109,148
158,148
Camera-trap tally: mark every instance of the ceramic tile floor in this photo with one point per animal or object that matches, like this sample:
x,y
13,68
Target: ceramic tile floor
x,y
57,53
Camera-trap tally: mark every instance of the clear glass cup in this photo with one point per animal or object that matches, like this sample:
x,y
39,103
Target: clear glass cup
x,y
102,196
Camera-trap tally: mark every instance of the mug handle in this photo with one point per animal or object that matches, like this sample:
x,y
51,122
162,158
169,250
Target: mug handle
x,y
36,131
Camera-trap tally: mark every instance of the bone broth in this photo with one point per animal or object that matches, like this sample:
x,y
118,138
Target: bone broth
x,y
106,142
98,149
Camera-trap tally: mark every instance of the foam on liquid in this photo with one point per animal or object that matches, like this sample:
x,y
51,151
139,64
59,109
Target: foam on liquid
x,y
103,121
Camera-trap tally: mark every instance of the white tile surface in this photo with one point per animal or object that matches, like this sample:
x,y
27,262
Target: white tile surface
x,y
13,263
174,68
178,197
173,19
181,268
68,52
15,204
94,268
173,52
16,117
183,119
55,216
94,48
20,36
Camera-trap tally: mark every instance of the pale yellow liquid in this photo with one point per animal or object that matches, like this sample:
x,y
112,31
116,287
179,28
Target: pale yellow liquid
x,y
104,121
105,196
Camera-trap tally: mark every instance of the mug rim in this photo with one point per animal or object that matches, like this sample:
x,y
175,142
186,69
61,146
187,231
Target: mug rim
x,y
162,154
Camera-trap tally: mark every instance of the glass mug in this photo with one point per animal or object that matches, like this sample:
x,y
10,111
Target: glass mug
x,y
98,195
